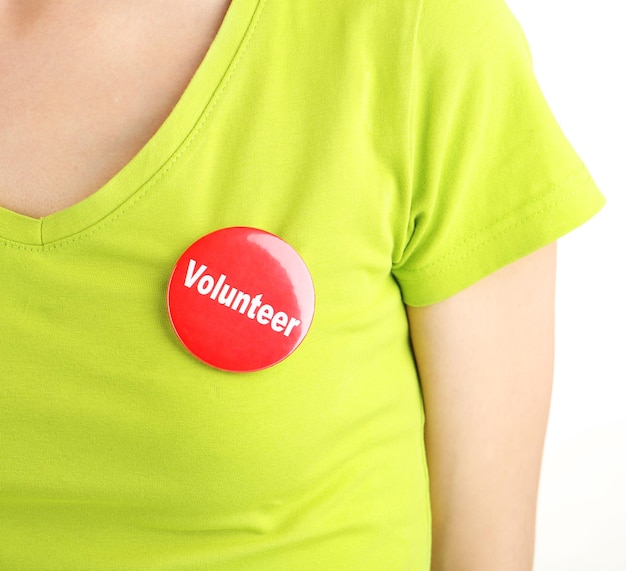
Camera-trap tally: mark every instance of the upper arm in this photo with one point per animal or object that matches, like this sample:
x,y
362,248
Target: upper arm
x,y
485,360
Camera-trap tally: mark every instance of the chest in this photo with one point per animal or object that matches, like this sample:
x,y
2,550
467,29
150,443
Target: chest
x,y
82,91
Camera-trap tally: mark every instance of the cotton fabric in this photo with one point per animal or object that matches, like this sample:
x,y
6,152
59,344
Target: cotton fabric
x,y
404,150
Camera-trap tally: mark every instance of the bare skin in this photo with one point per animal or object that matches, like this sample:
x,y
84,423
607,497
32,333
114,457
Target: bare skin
x,y
485,358
85,84
83,87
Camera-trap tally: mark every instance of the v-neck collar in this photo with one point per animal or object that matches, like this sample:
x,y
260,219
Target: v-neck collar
x,y
154,155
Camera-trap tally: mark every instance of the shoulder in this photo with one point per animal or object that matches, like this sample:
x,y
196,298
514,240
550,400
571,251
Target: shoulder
x,y
480,31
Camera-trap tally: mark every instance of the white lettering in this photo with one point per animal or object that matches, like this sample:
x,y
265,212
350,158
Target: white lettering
x,y
237,300
192,277
243,299
218,286
205,285
223,298
279,321
293,322
256,301
265,313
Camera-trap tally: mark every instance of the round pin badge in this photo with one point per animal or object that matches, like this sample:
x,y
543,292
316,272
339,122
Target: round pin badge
x,y
241,299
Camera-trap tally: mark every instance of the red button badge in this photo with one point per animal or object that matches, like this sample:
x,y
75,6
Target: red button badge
x,y
241,299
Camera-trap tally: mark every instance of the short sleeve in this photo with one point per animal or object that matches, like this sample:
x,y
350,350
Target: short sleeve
x,y
493,177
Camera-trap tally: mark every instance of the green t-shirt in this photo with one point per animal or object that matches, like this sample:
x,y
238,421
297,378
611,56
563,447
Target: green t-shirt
x,y
404,150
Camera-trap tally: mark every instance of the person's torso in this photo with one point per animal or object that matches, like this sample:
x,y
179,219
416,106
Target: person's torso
x,y
119,449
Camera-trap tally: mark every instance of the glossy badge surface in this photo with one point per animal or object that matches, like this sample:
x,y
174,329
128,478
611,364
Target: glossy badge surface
x,y
241,299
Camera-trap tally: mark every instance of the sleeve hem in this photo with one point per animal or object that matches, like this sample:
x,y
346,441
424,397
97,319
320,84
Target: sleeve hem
x,y
521,232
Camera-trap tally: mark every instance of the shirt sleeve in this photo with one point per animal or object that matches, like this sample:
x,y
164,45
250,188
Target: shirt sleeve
x,y
493,177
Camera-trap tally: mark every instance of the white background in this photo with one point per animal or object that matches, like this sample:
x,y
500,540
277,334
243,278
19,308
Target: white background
x,y
580,58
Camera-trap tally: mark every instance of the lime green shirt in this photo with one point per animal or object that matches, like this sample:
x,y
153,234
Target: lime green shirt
x,y
405,151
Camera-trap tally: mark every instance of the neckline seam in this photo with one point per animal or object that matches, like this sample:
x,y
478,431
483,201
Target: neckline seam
x,y
151,180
